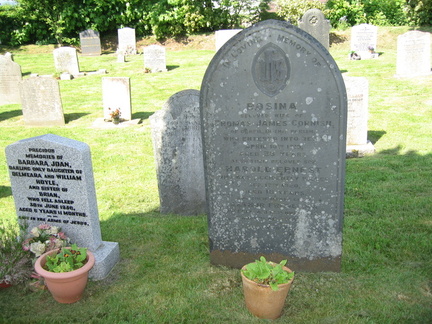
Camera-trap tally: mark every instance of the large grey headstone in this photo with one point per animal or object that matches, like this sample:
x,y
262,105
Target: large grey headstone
x,y
117,95
155,58
314,23
127,40
273,106
357,122
10,77
413,54
176,134
223,35
90,42
364,40
41,102
66,60
52,182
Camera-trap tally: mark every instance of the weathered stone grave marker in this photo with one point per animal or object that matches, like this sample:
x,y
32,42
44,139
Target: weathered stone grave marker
x,y
41,102
10,77
127,40
223,35
52,182
364,41
357,121
176,134
90,42
273,107
314,23
117,95
155,58
413,54
66,60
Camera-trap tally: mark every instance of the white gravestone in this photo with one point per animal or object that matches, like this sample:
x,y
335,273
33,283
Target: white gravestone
x,y
66,60
41,102
117,95
52,183
10,77
364,41
413,54
127,40
155,58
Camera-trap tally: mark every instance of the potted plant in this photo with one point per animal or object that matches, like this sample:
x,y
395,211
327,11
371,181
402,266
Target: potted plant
x,y
115,116
265,287
65,272
15,263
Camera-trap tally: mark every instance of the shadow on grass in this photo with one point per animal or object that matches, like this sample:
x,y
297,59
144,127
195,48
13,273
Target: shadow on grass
x,y
374,136
10,114
74,116
5,191
172,67
142,115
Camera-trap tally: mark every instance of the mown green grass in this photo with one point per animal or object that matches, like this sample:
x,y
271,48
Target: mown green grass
x,y
164,275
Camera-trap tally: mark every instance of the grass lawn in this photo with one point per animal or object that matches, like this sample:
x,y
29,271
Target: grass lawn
x,y
164,275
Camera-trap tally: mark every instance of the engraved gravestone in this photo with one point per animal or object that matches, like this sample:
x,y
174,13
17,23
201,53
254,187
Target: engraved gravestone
x,y
223,35
41,102
155,58
10,77
413,54
66,60
117,95
127,40
52,182
314,23
273,109
364,40
176,134
90,43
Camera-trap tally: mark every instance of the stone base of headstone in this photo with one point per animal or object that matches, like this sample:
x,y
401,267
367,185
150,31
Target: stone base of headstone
x,y
354,151
66,76
106,124
107,256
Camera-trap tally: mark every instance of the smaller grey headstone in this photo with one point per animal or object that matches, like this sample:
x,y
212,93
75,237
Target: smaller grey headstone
x,y
314,23
176,133
117,95
127,40
10,77
52,183
223,35
90,42
413,54
66,60
364,41
357,121
155,58
41,102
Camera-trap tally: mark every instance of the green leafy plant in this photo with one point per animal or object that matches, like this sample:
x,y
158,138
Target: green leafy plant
x,y
66,260
268,273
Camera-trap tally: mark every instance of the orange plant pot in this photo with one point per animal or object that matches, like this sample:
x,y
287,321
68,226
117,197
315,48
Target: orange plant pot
x,y
65,287
262,301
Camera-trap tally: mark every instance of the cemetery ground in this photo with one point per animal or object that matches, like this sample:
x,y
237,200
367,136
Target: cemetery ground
x,y
164,275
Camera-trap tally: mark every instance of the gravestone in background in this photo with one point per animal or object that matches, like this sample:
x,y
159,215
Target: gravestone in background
x,y
127,40
41,102
363,39
116,94
176,134
155,58
10,77
357,123
314,23
90,42
52,183
273,107
413,54
223,35
66,60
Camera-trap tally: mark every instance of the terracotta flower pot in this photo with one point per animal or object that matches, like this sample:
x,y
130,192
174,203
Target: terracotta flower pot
x,y
262,301
65,287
